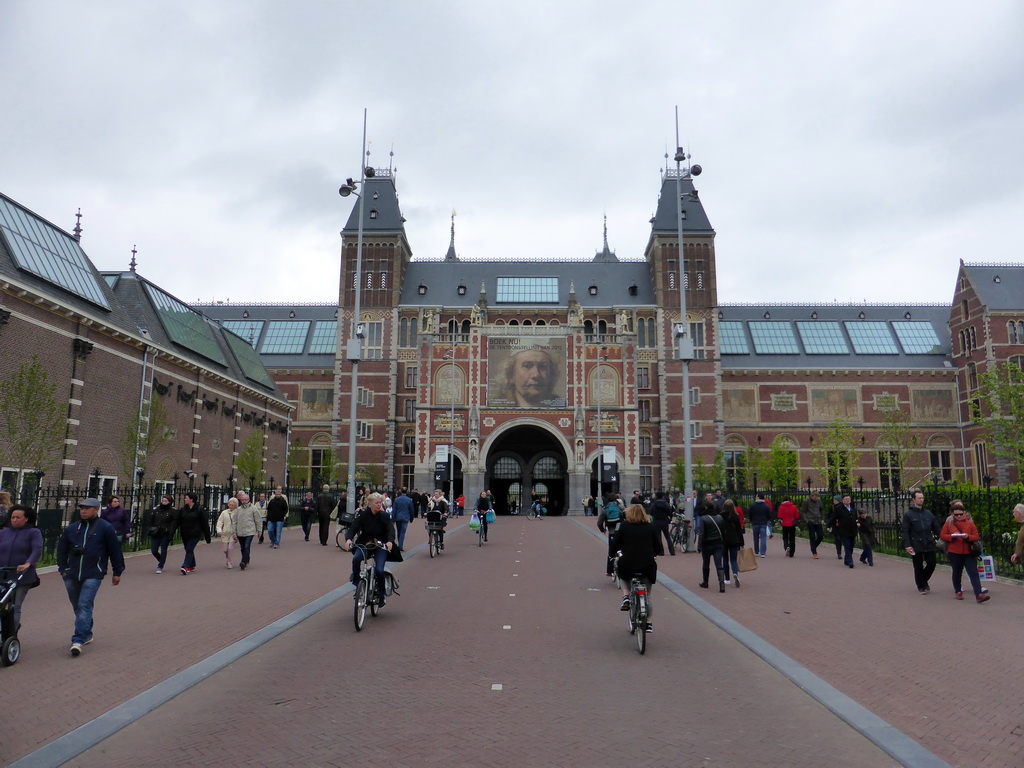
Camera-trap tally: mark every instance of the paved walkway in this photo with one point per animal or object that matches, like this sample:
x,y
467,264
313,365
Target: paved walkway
x,y
514,654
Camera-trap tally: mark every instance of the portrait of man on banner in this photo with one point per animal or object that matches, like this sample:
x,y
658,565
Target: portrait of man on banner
x,y
526,372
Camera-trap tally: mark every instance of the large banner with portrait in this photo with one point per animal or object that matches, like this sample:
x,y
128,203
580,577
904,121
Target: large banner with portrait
x,y
526,372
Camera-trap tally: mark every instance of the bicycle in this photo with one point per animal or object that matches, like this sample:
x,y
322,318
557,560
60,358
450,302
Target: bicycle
x,y
434,530
482,529
679,531
366,595
533,514
638,624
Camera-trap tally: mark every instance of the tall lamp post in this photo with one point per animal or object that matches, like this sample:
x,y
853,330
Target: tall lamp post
x,y
354,348
684,344
600,448
450,357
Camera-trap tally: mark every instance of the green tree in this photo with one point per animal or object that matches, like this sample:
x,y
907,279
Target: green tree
x,y
137,437
781,468
900,445
704,475
1001,393
835,457
32,418
298,464
753,467
250,460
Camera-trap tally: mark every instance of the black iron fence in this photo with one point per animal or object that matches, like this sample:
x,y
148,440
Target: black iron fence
x,y
989,508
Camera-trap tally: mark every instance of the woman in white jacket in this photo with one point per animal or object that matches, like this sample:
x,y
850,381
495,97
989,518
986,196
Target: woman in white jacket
x,y
226,529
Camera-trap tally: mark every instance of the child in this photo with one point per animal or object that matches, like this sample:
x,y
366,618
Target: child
x,y
226,528
866,529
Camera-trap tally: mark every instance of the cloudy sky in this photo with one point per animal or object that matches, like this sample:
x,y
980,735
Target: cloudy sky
x,y
852,151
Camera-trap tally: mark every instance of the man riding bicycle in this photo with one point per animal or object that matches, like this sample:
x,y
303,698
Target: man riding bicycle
x,y
483,506
371,524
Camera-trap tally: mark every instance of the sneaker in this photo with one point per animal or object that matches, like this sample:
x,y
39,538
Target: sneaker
x,y
76,649
87,641
736,579
959,595
984,590
229,565
625,603
815,555
650,627
159,570
984,598
702,585
241,566
184,571
727,581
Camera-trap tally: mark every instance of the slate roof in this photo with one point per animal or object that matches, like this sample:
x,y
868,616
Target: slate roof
x,y
254,320
665,221
840,318
999,286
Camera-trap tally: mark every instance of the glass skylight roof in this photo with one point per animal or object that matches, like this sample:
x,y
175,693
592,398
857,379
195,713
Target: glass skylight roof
x,y
822,338
917,337
248,360
247,329
527,290
733,340
871,337
773,338
325,338
40,248
285,337
185,326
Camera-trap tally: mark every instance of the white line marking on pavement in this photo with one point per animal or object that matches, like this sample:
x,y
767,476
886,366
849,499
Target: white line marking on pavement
x,y
507,626
495,686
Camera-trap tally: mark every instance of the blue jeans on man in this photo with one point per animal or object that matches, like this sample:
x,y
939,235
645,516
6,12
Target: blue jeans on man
x,y
82,595
158,546
245,547
400,527
190,553
760,540
274,528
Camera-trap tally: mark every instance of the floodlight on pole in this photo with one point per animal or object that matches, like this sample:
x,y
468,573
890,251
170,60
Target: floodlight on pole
x,y
684,344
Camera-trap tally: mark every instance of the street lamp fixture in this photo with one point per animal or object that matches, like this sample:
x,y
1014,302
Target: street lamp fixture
x,y
450,356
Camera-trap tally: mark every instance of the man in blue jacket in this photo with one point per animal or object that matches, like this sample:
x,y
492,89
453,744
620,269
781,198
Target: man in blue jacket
x,y
402,512
83,551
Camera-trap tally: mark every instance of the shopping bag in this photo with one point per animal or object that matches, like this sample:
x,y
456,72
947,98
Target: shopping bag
x,y
474,522
987,568
747,560
490,517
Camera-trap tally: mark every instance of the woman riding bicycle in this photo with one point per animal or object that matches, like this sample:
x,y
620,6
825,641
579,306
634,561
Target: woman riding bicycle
x,y
371,524
438,513
483,506
637,540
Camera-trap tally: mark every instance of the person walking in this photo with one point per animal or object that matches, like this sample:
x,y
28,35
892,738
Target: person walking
x,y
402,512
21,546
843,521
84,550
307,514
868,540
661,515
788,515
711,544
960,534
158,524
734,541
194,524
261,507
760,516
811,512
325,503
118,517
919,531
247,524
226,528
277,513
1018,549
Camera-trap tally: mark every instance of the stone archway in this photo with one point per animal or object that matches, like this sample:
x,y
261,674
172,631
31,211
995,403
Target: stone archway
x,y
527,460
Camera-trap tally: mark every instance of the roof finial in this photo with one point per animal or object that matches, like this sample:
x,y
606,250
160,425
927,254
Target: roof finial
x,y
77,231
132,264
451,256
606,231
391,159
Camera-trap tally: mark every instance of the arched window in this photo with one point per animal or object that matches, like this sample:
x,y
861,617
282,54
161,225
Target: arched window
x,y
547,468
506,468
408,442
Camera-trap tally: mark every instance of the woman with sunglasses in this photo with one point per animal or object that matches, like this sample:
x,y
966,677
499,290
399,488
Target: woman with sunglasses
x,y
959,532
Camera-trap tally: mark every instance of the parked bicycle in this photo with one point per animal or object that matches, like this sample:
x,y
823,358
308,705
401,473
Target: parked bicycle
x,y
367,594
679,531
638,624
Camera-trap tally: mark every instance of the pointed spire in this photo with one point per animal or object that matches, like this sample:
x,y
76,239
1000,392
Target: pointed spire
x,y
451,255
607,254
132,264
77,231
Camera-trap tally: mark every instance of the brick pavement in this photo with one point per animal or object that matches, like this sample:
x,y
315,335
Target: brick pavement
x,y
569,672
573,692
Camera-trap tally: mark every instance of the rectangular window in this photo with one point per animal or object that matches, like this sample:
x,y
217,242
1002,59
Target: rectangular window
x,y
822,338
645,444
694,395
365,397
643,377
410,409
325,338
247,329
285,337
646,479
365,430
941,463
918,338
871,337
773,338
409,443
102,487
735,475
412,376
408,477
527,290
644,410
697,337
889,470
373,344
732,338
695,430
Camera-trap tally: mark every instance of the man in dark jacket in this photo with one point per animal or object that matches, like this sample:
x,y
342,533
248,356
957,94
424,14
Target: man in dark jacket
x,y
402,512
661,514
307,513
811,511
83,551
919,531
760,516
843,521
324,505
277,513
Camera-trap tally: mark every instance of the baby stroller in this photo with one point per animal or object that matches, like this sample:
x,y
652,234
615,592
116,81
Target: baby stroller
x,y
10,646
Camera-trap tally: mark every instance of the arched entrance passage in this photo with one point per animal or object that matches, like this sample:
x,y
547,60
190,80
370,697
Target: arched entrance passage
x,y
524,462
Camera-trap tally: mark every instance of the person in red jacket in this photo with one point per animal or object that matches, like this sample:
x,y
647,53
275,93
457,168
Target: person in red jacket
x,y
959,532
788,515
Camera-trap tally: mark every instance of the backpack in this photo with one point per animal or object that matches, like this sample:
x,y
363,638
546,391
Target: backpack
x,y
612,511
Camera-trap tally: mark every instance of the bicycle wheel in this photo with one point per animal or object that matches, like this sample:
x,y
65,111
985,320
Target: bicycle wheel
x,y
531,515
480,536
631,615
371,596
641,632
432,543
360,604
339,539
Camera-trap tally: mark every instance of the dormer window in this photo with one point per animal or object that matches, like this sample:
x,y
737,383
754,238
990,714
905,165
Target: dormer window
x,y
373,213
592,290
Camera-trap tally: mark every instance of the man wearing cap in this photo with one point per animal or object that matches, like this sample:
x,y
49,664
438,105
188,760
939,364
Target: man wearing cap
x,y
83,551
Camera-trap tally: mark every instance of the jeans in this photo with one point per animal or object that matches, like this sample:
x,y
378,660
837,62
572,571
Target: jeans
x,y
307,523
815,534
400,528
732,560
708,553
82,595
959,563
158,546
380,557
924,567
760,539
274,529
789,539
190,553
245,546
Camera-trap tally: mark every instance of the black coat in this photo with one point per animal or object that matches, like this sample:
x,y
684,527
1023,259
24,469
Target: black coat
x,y
843,521
638,543
920,529
733,530
193,522
712,532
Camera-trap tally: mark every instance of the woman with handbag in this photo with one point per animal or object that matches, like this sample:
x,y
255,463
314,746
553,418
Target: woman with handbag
x,y
483,506
157,524
963,545
734,542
